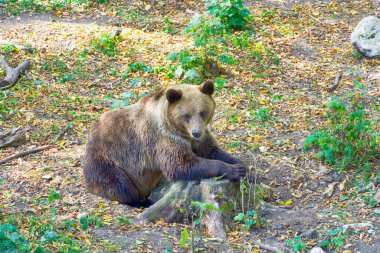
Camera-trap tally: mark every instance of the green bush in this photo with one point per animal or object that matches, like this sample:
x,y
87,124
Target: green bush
x,y
11,240
231,13
350,140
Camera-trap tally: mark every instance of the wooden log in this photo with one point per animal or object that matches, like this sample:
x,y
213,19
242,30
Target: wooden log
x,y
12,138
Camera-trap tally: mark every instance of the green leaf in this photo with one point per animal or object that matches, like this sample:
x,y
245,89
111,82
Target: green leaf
x,y
239,217
220,82
184,237
1,181
173,56
83,221
226,59
210,207
196,203
179,71
191,74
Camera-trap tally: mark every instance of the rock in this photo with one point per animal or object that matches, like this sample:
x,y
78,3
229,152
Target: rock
x,y
366,37
317,250
310,234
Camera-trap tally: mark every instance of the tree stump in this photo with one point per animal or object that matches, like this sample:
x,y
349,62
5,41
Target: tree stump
x,y
174,202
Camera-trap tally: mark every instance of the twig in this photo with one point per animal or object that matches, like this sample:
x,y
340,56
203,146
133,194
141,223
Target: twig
x,y
338,76
310,16
62,133
266,247
24,153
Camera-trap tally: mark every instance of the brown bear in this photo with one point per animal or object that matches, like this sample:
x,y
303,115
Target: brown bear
x,y
166,134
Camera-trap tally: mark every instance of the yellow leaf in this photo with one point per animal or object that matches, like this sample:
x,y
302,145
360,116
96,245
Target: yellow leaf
x,y
286,203
263,102
107,217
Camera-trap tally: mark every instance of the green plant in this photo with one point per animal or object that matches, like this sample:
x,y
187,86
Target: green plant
x,y
139,66
53,195
189,64
11,240
262,115
249,218
336,239
7,48
350,140
198,215
296,244
105,44
231,13
168,28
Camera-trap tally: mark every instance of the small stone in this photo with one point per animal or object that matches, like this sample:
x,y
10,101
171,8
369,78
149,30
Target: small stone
x,y
317,250
310,234
366,37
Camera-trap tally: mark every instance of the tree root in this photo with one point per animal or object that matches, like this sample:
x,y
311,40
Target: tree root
x,y
12,74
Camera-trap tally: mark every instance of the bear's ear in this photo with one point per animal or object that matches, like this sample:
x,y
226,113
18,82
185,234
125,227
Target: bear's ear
x,y
173,95
207,87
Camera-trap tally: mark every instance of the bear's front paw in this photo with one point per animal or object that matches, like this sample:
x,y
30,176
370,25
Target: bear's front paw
x,y
236,171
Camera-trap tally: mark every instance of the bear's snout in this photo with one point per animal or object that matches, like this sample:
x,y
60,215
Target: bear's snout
x,y
196,134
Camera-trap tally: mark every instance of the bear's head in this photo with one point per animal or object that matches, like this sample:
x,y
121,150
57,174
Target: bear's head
x,y
190,109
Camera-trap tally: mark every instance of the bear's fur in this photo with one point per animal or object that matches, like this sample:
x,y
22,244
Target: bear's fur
x,y
165,134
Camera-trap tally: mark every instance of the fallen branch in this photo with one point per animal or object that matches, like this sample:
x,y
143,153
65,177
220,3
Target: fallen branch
x,y
338,77
18,46
12,74
24,153
266,247
310,16
368,186
62,133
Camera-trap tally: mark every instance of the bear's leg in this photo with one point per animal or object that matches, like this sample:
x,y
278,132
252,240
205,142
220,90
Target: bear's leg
x,y
208,148
109,181
179,162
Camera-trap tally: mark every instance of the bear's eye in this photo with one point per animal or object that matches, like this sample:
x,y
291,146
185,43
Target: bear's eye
x,y
203,114
187,117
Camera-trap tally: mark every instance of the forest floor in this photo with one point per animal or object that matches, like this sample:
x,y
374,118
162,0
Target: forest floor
x,y
272,101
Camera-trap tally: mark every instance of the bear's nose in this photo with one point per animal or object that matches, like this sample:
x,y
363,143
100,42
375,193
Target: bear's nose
x,y
196,134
